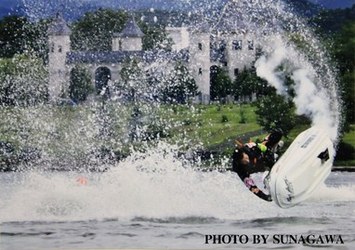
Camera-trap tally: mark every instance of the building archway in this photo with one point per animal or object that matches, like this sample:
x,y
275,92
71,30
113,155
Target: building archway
x,y
102,77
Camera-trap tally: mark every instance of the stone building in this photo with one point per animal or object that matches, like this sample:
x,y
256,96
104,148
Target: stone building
x,y
200,48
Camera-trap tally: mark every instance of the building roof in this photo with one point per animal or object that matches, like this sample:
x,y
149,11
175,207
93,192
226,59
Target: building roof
x,y
130,29
109,57
59,26
199,26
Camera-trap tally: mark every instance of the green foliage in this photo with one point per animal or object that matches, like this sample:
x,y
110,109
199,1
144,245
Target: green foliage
x,y
8,156
94,31
23,81
330,21
344,51
80,84
345,152
18,35
274,111
155,37
337,29
12,35
134,81
224,119
221,85
180,87
248,83
131,72
187,122
243,119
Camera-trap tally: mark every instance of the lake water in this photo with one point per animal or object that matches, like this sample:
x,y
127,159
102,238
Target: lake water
x,y
175,208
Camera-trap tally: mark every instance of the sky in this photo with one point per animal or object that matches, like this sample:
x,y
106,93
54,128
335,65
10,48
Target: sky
x,y
47,6
326,3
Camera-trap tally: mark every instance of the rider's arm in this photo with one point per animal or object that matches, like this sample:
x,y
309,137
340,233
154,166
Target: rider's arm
x,y
249,182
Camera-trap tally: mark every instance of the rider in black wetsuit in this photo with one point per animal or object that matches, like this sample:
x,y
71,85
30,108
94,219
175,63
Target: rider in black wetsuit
x,y
252,158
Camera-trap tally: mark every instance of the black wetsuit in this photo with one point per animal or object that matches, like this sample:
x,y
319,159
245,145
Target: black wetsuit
x,y
258,163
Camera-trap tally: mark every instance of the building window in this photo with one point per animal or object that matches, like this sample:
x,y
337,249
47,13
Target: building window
x,y
222,46
200,46
200,71
52,47
251,45
236,72
60,49
237,44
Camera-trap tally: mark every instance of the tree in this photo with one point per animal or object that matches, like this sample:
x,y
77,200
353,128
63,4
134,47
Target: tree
x,y
330,21
337,30
134,82
94,31
37,39
274,111
344,50
155,37
180,86
12,35
18,35
80,84
248,83
221,85
23,81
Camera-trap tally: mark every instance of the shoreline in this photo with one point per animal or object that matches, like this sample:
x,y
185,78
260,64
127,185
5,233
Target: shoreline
x,y
334,169
343,169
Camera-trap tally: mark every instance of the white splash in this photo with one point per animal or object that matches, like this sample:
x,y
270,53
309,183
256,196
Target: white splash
x,y
312,98
154,184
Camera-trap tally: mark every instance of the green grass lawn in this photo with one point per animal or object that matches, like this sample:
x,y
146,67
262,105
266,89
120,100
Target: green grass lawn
x,y
210,125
